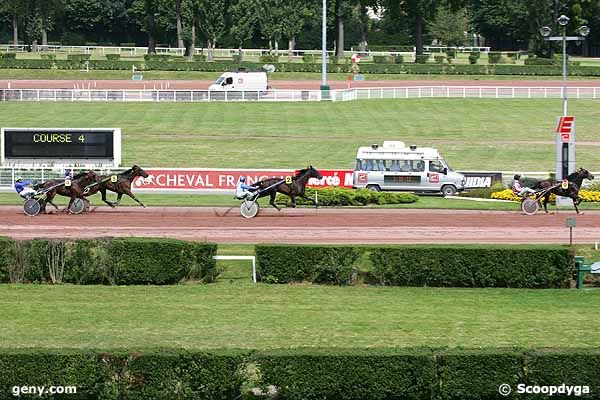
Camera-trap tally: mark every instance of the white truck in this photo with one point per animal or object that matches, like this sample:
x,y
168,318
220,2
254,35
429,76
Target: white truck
x,y
241,81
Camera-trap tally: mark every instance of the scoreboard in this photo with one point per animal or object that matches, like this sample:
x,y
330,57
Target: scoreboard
x,y
61,146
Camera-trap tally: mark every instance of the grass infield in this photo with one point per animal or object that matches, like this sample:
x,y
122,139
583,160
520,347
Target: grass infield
x,y
243,315
473,134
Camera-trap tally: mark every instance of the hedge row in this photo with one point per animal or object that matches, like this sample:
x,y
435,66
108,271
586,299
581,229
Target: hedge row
x,y
411,68
122,261
444,266
335,196
299,374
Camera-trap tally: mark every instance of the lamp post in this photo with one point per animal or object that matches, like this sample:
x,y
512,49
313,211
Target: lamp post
x,y
324,86
545,31
565,129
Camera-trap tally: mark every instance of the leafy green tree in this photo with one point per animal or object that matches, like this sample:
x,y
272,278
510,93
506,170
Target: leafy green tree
x,y
449,27
15,9
211,14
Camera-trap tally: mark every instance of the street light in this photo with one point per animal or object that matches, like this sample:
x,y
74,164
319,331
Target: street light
x,y
324,86
583,31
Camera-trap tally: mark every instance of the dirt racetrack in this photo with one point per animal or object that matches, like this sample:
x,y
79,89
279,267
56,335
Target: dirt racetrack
x,y
305,225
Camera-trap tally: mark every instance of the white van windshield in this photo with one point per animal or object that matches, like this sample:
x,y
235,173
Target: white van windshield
x,y
218,82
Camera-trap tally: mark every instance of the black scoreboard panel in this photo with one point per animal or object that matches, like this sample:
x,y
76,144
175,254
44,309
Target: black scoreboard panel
x,y
67,144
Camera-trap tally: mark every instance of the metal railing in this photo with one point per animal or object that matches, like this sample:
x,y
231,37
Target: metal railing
x,y
412,92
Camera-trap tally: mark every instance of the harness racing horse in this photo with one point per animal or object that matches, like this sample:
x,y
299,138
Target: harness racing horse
x,y
293,189
572,191
75,190
119,183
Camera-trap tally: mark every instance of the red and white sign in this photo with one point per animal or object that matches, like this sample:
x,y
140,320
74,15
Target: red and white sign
x,y
565,124
173,179
356,58
434,178
565,137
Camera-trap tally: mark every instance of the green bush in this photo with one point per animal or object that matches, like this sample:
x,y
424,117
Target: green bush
x,y
308,58
319,264
494,57
199,57
477,374
439,59
311,374
540,61
6,258
398,59
391,47
473,57
157,57
141,261
336,196
474,266
269,58
8,56
484,193
383,60
50,56
113,57
451,53
78,57
421,58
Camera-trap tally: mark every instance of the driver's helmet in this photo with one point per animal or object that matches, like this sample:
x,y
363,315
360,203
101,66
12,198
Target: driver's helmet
x,y
517,177
19,179
242,179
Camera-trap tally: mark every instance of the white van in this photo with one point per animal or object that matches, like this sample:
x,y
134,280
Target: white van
x,y
241,80
394,166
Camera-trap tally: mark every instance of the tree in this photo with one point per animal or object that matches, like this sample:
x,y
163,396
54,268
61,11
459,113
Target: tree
x,y
211,14
449,27
16,9
245,22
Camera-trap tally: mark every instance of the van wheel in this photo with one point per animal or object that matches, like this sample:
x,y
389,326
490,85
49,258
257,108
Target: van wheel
x,y
374,188
448,190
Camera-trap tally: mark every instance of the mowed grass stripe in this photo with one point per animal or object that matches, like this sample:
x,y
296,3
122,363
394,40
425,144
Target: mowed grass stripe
x,y
288,135
260,317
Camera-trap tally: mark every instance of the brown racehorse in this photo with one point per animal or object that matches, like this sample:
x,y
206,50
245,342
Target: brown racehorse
x,y
574,182
74,190
293,189
119,183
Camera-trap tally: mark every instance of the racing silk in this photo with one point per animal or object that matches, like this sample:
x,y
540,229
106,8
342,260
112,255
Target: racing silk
x,y
19,186
241,189
517,186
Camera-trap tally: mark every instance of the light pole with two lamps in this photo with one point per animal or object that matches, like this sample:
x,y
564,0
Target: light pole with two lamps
x,y
565,129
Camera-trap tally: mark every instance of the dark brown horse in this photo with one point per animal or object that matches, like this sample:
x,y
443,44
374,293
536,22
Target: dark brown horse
x,y
74,190
119,183
294,188
573,186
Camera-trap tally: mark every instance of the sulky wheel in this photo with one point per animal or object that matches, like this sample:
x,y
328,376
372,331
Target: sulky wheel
x,y
530,206
249,209
77,207
31,207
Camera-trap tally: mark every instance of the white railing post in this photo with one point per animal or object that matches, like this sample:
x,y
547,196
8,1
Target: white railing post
x,y
480,92
496,92
21,94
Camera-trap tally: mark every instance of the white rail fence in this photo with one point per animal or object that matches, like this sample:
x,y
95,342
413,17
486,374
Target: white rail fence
x,y
413,92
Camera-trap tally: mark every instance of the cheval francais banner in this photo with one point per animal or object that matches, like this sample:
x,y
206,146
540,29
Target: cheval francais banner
x,y
226,179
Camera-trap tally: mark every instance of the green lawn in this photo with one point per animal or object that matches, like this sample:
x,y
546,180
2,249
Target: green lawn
x,y
472,134
244,315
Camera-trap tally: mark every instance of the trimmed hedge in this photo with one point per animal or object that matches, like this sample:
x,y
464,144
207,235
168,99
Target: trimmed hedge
x,y
302,374
147,375
78,57
319,264
337,196
127,261
174,64
474,266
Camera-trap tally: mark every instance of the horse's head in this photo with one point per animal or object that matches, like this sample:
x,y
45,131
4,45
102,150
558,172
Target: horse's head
x,y
313,173
138,171
92,176
586,174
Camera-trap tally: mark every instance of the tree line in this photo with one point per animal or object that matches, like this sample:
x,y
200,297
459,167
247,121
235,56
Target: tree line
x,y
274,24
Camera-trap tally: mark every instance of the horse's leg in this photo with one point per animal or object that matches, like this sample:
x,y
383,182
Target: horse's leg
x,y
546,200
110,203
304,196
70,204
128,193
272,200
576,202
293,201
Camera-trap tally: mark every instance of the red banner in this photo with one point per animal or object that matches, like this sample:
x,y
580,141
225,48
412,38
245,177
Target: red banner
x,y
222,179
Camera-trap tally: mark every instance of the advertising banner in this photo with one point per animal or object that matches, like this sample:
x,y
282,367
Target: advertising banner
x,y
173,179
